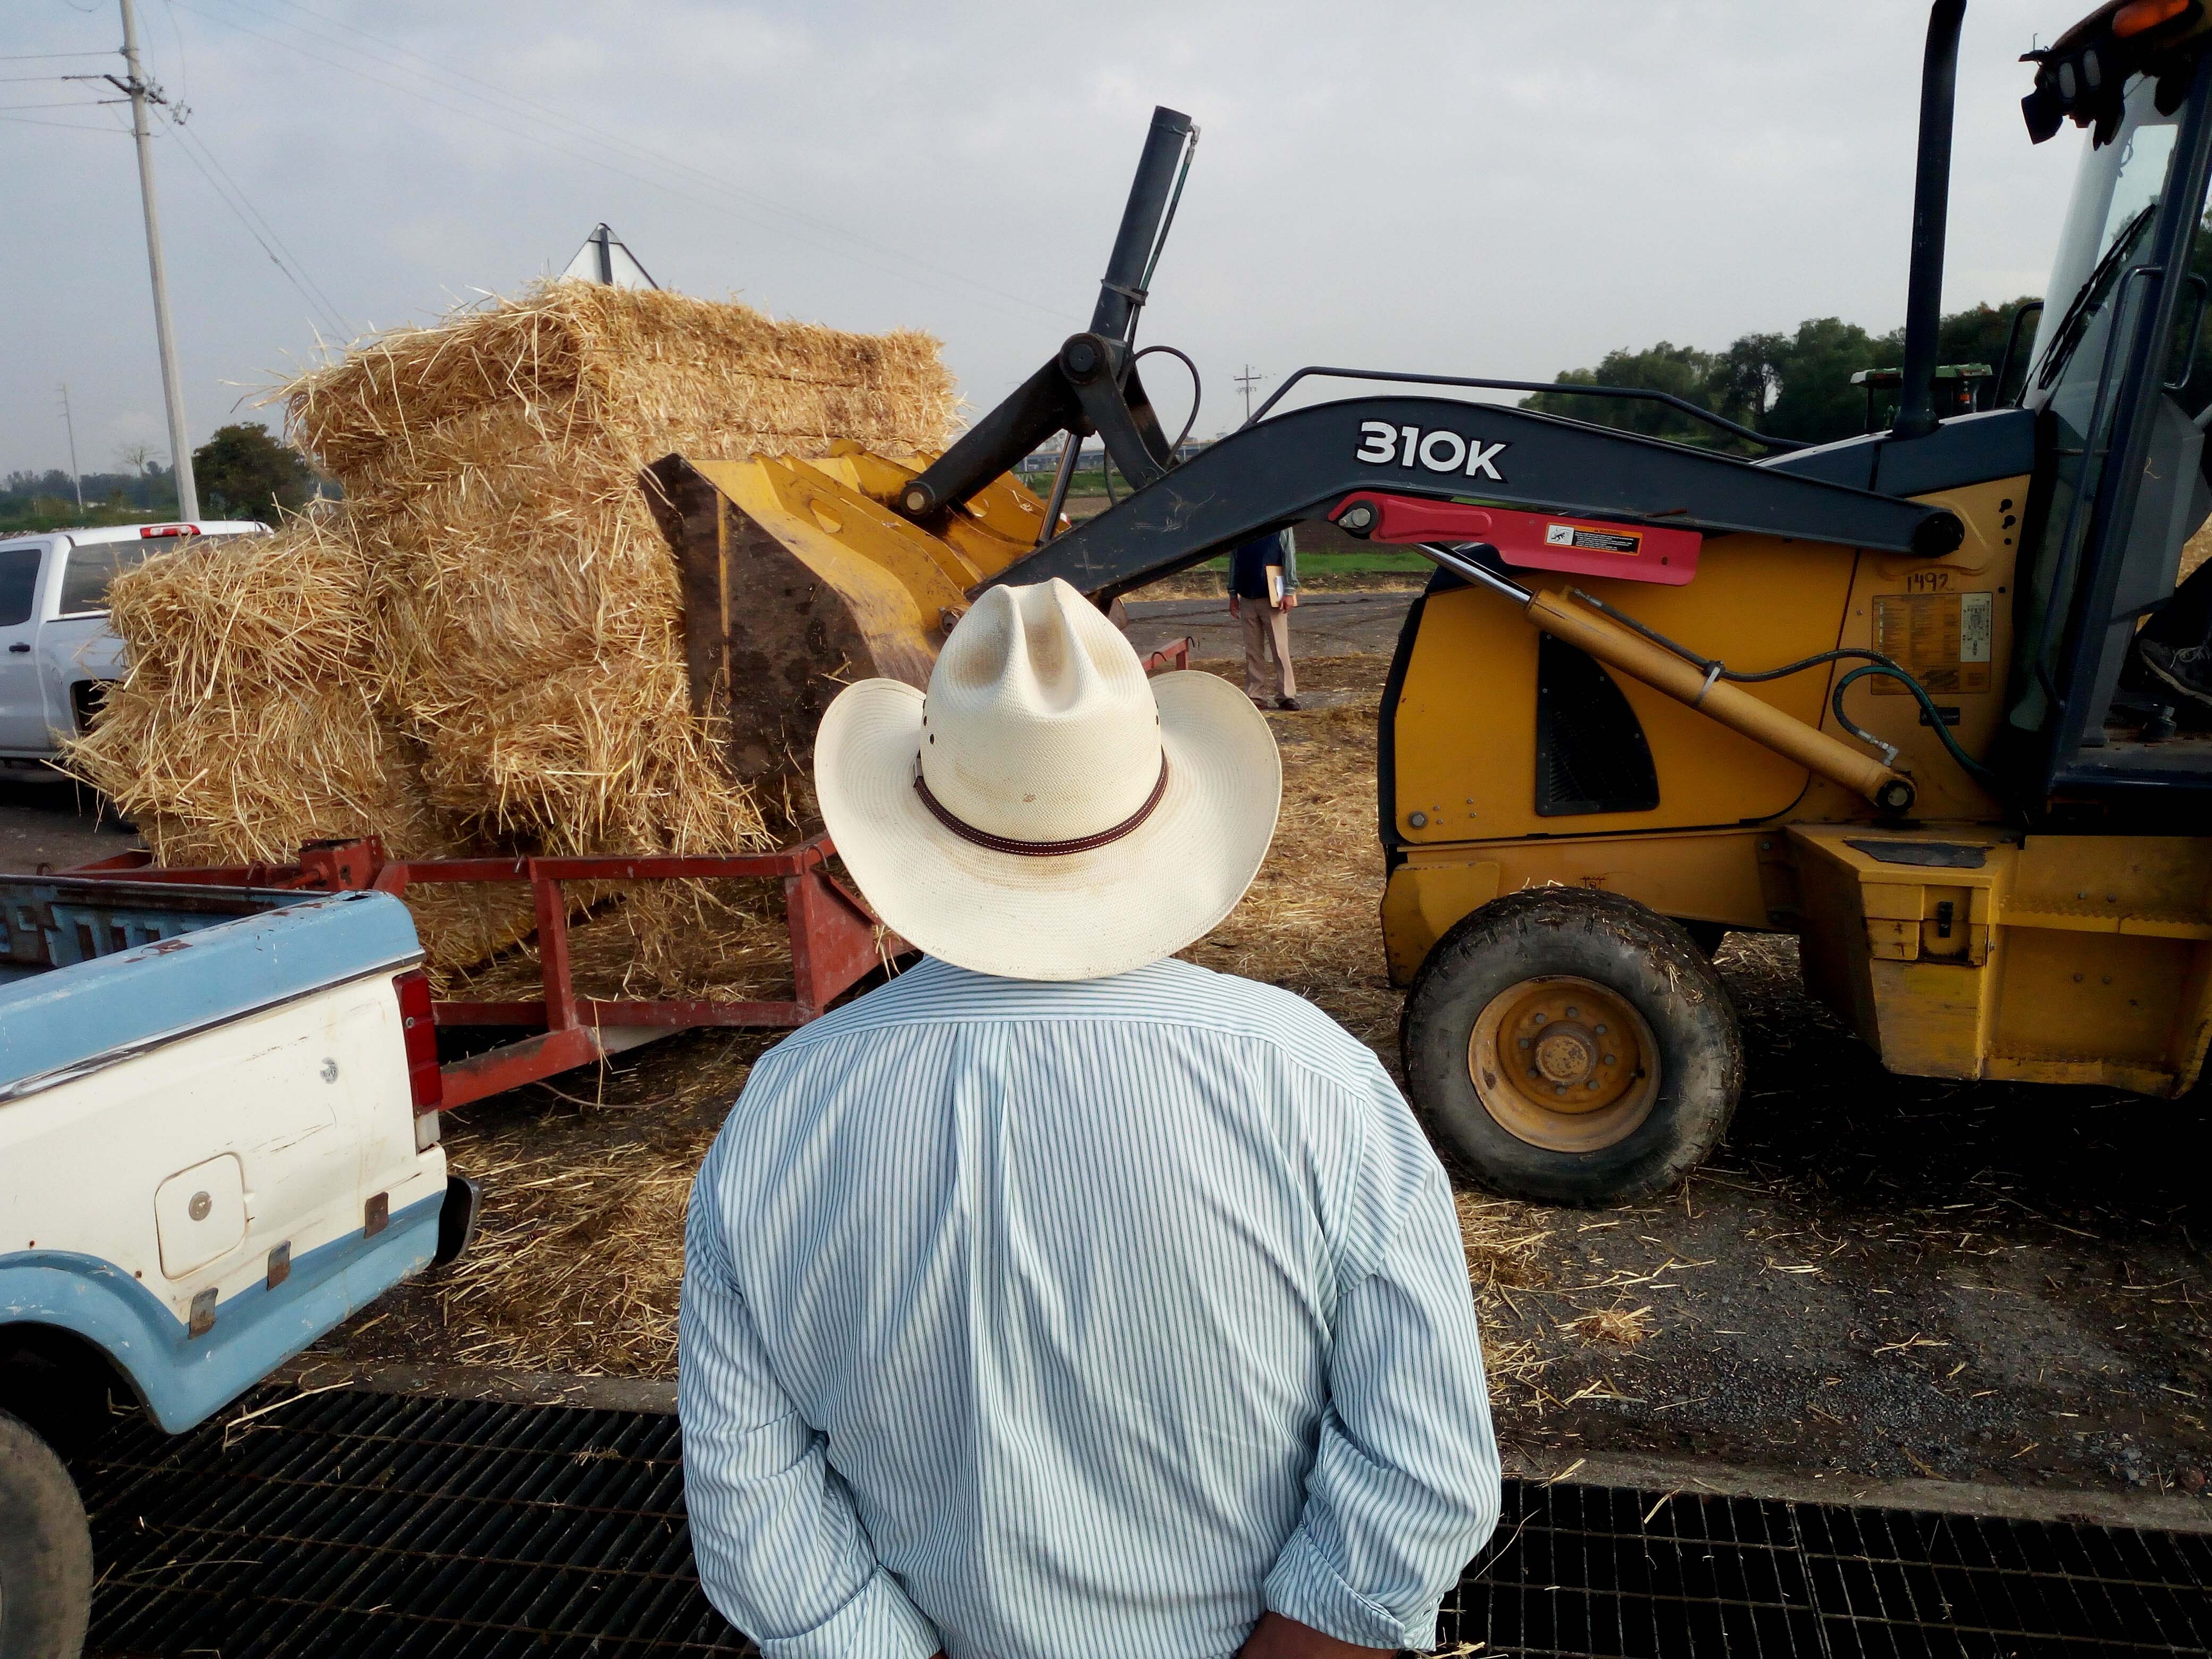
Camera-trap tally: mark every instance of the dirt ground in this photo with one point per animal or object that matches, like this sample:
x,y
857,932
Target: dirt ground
x,y
1322,625
58,824
1875,1276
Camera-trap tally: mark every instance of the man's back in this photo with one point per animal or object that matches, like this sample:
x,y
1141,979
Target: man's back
x,y
1105,1304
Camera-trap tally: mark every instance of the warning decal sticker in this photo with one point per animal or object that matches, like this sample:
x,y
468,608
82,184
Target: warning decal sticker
x,y
1592,541
1977,612
1941,639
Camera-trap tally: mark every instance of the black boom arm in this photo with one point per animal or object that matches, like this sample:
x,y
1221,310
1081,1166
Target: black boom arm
x,y
1286,468
1091,384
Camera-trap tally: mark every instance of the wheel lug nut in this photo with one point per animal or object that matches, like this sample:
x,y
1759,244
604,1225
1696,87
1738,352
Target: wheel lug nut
x,y
1539,1020
1559,1088
1592,1084
1524,1042
1608,1061
1574,1013
1600,1030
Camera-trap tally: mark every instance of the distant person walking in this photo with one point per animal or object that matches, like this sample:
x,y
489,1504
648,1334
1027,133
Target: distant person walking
x,y
1263,588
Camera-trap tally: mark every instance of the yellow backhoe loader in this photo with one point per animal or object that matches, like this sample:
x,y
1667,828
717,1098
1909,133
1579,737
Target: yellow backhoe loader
x,y
1882,694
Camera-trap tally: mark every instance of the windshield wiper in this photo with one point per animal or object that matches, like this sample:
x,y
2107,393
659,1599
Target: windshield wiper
x,y
2076,322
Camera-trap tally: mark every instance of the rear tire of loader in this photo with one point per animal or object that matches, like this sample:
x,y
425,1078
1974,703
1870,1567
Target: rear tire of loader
x,y
45,1551
1573,1045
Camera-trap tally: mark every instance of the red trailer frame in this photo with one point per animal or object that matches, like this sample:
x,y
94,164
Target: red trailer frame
x,y
835,942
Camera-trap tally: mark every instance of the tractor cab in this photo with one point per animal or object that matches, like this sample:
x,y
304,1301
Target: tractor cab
x,y
2119,383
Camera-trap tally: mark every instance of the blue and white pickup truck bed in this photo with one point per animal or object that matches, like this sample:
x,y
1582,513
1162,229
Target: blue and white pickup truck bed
x,y
218,1139
209,1145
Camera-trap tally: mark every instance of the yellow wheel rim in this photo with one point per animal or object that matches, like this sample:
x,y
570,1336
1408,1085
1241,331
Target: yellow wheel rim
x,y
1563,1064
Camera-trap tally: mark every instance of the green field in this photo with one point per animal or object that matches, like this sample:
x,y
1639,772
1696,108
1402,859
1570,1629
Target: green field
x,y
47,513
1323,550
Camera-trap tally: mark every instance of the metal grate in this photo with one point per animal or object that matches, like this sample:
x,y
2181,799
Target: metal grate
x,y
357,1523
1613,1574
352,1523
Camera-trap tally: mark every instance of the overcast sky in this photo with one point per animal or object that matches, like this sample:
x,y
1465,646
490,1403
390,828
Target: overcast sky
x,y
1485,187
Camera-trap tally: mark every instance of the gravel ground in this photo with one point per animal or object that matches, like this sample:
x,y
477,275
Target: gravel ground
x,y
1889,1276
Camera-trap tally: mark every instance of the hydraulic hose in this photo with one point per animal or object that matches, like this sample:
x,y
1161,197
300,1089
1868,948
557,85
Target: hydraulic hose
x,y
1967,763
1874,662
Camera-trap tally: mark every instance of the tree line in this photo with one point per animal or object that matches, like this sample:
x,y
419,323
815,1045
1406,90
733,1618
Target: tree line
x,y
242,471
1790,386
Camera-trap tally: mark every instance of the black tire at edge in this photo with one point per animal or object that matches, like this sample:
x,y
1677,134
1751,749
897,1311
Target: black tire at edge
x,y
45,1551
1635,952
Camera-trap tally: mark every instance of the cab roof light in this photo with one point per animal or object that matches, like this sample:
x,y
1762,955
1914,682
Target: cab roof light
x,y
2140,15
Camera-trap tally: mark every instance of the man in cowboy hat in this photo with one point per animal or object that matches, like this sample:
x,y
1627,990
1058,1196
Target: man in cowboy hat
x,y
1060,1298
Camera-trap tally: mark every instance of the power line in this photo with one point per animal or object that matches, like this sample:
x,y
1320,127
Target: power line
x,y
194,139
302,282
44,57
911,272
66,126
173,114
184,67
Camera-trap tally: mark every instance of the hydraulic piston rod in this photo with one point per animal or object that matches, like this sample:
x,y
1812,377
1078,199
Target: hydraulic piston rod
x,y
1710,695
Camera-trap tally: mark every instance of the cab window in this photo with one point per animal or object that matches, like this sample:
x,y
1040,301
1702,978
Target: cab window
x,y
93,566
19,582
2100,284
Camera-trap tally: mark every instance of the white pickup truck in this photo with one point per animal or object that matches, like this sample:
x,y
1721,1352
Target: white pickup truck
x,y
218,1139
57,654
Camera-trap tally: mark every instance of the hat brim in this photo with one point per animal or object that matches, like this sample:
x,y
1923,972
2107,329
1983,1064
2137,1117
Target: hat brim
x,y
1072,915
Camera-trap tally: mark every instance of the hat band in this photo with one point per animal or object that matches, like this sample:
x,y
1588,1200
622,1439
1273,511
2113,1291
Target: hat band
x,y
1039,849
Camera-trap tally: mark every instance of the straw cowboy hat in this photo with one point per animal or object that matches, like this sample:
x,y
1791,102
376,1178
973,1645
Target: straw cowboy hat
x,y
1045,811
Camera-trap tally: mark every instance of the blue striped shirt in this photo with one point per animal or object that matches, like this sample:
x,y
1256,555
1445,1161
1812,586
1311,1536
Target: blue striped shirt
x,y
1092,1318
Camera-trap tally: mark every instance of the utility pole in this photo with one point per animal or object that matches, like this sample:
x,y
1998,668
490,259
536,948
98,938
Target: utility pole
x,y
1251,378
77,478
142,92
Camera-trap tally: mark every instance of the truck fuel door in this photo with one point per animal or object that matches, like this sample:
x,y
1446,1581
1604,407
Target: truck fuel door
x,y
199,1214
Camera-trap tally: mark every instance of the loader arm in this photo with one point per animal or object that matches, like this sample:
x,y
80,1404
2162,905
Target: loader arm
x,y
1298,466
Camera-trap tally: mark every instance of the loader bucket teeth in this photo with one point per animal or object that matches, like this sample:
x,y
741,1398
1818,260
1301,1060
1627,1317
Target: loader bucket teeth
x,y
798,579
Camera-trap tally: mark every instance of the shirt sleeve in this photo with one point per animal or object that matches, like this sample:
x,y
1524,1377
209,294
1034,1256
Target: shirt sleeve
x,y
781,1552
1404,1488
1290,559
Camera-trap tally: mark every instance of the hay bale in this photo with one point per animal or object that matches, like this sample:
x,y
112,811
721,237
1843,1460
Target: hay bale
x,y
592,759
484,650
251,719
528,603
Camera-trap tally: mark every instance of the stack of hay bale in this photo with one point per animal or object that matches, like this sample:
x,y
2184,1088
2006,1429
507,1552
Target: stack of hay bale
x,y
484,648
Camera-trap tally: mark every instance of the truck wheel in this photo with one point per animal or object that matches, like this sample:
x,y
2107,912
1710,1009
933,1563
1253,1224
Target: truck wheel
x,y
46,1552
1575,1046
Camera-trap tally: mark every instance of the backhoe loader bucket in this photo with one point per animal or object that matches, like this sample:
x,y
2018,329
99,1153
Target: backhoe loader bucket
x,y
798,575
798,578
